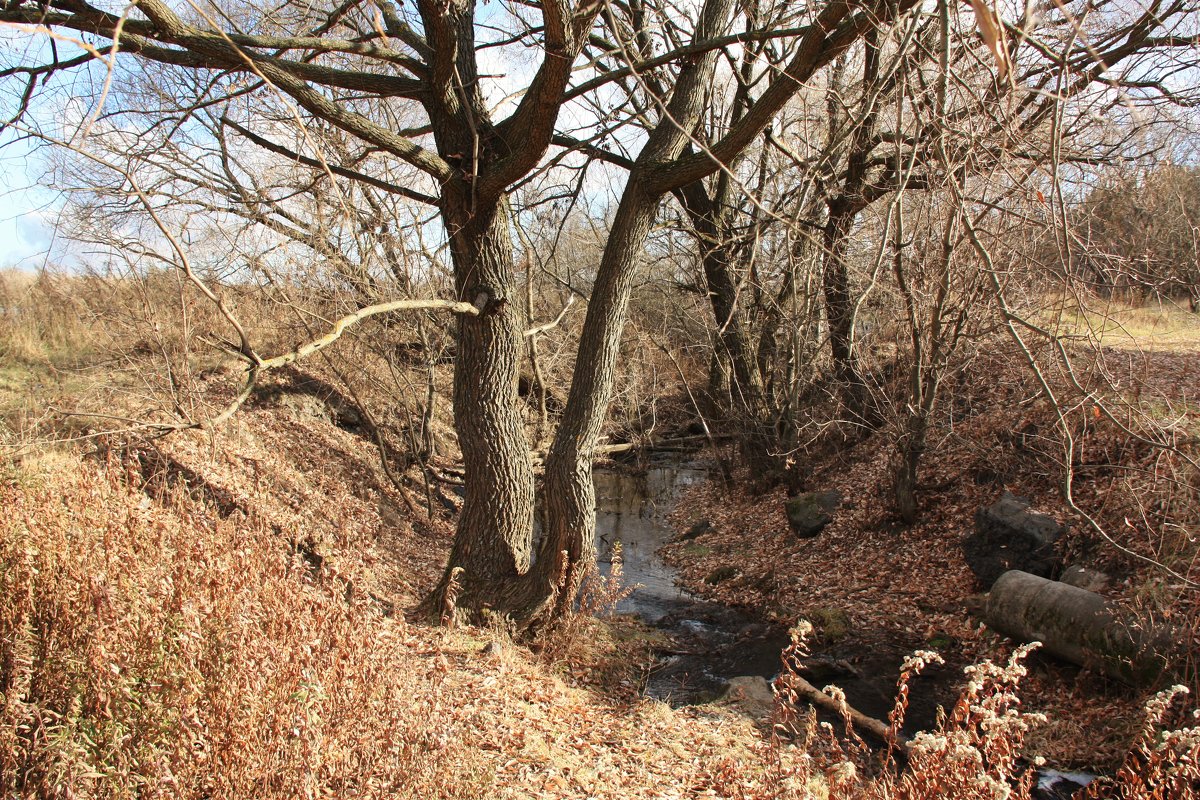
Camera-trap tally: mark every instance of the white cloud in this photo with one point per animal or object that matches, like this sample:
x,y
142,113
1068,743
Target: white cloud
x,y
27,211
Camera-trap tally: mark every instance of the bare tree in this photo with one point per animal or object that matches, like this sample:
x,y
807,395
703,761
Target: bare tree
x,y
362,70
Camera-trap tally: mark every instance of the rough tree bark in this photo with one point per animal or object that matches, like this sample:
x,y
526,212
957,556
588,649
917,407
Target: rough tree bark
x,y
748,407
494,540
844,208
717,259
490,561
839,310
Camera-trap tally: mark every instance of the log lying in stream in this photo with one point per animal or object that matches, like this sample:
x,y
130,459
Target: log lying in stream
x,y
876,729
1077,626
680,443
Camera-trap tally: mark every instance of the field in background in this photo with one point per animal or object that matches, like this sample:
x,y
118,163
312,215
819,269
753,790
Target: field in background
x,y
1163,326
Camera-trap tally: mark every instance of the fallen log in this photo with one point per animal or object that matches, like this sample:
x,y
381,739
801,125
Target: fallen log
x,y
1078,626
875,728
680,443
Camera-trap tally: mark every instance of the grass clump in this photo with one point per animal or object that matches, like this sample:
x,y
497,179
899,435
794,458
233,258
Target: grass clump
x,y
695,550
143,646
42,321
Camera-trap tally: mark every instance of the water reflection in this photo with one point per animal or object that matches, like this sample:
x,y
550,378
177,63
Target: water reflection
x,y
631,509
710,642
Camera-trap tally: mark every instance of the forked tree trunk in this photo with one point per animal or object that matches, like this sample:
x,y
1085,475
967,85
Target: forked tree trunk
x,y
490,560
499,507
568,548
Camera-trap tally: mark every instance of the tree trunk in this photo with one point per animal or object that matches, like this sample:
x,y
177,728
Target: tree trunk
x,y
843,211
717,261
911,448
839,313
747,405
568,549
495,528
567,552
718,375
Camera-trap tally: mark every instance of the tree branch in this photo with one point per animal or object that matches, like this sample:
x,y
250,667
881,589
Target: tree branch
x,y
554,322
354,175
340,326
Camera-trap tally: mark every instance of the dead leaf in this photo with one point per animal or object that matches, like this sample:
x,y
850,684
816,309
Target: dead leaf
x,y
992,31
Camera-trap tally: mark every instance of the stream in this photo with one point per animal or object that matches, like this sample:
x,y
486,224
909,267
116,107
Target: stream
x,y
711,643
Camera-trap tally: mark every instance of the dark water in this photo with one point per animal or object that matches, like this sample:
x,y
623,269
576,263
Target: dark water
x,y
709,643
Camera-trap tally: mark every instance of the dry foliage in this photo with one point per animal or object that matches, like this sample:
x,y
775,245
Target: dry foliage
x,y
155,648
161,650
893,588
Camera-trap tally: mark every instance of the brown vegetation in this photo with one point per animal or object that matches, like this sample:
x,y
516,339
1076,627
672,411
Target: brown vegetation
x,y
358,294
202,616
160,647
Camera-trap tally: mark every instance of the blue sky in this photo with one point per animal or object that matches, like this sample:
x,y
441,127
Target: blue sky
x,y
24,238
27,211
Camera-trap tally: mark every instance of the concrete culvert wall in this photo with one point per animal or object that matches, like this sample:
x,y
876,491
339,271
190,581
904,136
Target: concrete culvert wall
x,y
1077,626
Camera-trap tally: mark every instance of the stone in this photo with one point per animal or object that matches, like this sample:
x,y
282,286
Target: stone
x,y
307,405
1089,579
810,512
1009,535
750,694
1054,785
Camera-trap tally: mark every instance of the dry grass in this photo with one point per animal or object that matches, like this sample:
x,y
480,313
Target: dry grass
x,y
35,323
1166,326
152,648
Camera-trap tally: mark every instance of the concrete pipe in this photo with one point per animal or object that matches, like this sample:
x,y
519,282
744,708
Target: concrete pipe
x,y
1077,626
